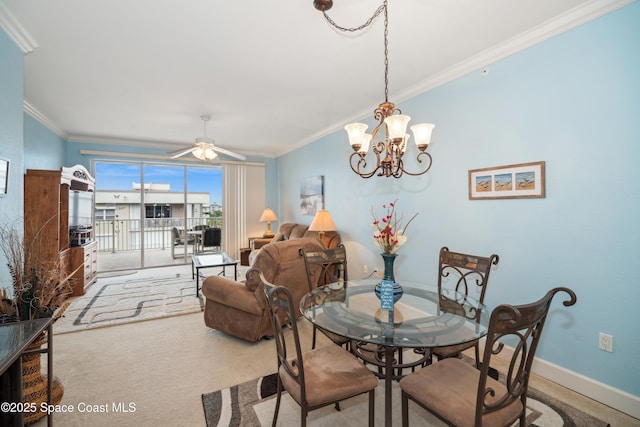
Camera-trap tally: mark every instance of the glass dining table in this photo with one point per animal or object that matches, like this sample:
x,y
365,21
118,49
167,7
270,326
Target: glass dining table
x,y
422,319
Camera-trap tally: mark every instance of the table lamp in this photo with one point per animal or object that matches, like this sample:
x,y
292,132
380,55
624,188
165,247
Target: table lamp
x,y
322,222
267,216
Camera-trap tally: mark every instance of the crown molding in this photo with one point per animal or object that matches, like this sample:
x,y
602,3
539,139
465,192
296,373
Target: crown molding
x,y
28,108
567,21
188,159
16,31
161,145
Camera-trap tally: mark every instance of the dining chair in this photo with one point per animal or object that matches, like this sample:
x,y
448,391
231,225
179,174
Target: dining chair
x,y
313,378
331,266
462,395
212,238
178,240
463,273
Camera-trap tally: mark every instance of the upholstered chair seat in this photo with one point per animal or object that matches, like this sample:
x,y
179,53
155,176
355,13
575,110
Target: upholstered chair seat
x,y
331,374
449,388
464,396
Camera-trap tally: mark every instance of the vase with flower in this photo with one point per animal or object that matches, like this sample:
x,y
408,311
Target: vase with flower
x,y
389,237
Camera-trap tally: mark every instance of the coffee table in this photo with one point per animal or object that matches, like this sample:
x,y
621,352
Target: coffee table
x,y
209,261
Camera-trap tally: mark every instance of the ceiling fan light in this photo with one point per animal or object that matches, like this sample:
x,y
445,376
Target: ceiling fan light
x,y
210,154
198,153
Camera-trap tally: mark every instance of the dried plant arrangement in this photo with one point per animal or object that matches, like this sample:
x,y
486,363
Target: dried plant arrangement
x,y
39,287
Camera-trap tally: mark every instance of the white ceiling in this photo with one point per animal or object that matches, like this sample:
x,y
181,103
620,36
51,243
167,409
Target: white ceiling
x,y
273,75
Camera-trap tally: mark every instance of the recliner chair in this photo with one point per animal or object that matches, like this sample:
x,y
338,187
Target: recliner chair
x,y
239,308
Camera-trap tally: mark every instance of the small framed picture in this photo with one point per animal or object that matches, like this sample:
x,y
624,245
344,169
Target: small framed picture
x,y
4,176
312,195
524,180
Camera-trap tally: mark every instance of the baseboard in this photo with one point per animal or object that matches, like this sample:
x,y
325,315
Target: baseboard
x,y
603,393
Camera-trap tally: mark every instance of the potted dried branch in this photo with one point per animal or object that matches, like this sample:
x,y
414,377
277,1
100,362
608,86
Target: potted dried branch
x,y
39,289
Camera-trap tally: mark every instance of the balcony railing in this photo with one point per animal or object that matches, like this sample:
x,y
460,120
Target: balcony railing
x,y
127,234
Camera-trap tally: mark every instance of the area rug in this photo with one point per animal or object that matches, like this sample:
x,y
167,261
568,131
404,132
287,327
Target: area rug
x,y
135,296
252,404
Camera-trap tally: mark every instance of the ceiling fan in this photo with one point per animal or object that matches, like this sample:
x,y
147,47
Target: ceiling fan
x,y
204,148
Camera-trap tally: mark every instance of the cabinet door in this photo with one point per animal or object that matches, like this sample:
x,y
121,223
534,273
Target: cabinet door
x,y
42,215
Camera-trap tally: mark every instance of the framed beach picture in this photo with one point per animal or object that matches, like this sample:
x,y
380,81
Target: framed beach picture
x,y
524,180
4,176
311,195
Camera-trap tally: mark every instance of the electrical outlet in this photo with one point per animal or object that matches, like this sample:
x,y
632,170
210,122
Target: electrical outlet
x,y
365,268
606,342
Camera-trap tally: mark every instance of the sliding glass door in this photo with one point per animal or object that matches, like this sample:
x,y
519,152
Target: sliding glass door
x,y
147,215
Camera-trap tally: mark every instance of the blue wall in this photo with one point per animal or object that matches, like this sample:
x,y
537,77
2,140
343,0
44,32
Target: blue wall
x,y
46,149
573,102
11,134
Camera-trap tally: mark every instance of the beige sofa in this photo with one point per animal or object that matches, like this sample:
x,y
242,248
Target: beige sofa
x,y
238,308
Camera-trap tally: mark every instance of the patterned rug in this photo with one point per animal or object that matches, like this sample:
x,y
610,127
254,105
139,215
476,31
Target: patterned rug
x,y
134,296
252,404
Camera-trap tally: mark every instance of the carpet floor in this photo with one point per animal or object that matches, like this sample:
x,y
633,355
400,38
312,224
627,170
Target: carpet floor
x,y
252,404
135,296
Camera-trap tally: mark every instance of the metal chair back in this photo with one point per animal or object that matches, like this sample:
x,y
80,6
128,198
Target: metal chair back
x,y
519,327
212,238
465,271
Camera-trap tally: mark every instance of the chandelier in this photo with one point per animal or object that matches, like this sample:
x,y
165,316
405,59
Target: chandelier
x,y
390,149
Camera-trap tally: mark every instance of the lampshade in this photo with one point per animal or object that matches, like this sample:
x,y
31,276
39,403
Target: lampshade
x,y
322,222
268,215
397,125
366,141
356,131
204,151
422,133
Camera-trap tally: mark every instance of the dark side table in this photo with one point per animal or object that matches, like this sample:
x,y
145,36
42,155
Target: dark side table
x,y
14,339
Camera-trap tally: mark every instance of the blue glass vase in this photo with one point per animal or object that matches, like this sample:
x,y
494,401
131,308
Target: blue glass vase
x,y
389,259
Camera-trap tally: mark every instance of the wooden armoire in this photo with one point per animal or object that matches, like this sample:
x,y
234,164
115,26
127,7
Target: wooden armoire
x,y
46,222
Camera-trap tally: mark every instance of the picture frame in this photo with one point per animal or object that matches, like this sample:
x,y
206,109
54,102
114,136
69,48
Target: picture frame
x,y
312,195
4,176
519,181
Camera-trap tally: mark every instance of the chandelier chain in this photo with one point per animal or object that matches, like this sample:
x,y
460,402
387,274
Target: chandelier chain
x,y
389,151
361,27
379,10
386,53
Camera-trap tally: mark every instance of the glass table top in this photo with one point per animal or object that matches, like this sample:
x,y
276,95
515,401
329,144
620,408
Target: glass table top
x,y
420,318
16,336
213,260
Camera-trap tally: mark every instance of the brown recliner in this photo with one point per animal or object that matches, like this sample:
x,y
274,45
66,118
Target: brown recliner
x,y
239,308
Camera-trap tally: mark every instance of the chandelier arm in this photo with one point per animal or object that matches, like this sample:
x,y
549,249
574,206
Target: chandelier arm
x,y
419,161
360,165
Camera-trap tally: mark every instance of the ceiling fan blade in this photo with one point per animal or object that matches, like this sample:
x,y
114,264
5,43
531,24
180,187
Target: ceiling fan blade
x,y
229,153
182,152
181,149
